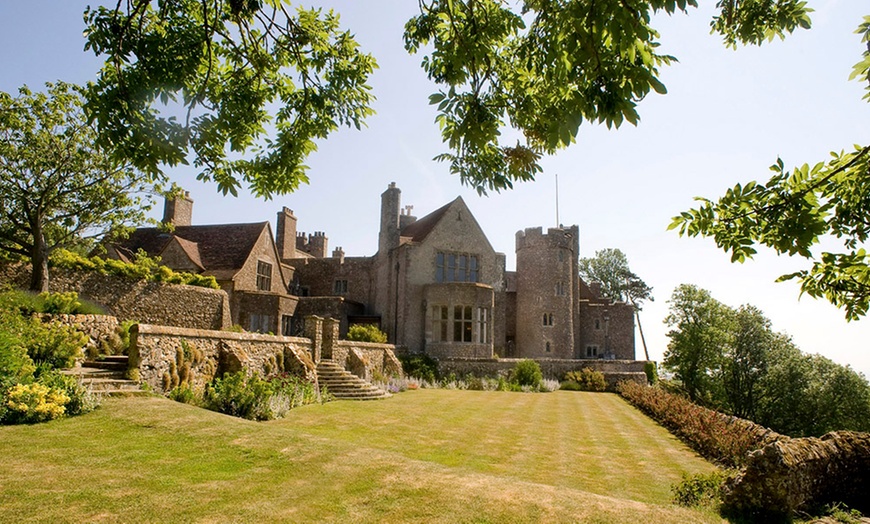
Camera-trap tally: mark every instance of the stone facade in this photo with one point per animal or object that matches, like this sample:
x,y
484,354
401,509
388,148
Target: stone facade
x,y
437,286
243,258
169,356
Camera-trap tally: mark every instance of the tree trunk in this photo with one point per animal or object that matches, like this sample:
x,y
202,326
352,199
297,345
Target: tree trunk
x,y
640,328
39,262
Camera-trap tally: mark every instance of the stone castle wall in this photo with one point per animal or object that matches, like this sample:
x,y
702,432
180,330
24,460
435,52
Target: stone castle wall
x,y
168,356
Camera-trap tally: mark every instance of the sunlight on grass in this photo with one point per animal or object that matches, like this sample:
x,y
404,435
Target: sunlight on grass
x,y
422,456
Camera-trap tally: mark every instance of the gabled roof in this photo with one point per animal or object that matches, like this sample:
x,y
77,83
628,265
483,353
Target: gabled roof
x,y
419,230
221,247
191,249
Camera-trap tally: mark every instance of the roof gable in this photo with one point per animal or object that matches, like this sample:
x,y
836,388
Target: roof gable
x,y
419,230
188,248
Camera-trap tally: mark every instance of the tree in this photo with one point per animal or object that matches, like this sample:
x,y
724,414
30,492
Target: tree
x,y
809,395
532,70
731,360
57,186
796,209
745,362
702,329
610,268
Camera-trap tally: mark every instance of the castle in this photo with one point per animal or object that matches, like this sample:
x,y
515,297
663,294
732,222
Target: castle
x,y
435,285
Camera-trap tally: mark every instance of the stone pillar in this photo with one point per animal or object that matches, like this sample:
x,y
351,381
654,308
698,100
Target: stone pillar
x,y
314,331
330,336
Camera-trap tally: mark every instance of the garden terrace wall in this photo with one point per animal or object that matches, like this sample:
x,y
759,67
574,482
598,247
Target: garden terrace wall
x,y
168,356
129,299
614,370
363,359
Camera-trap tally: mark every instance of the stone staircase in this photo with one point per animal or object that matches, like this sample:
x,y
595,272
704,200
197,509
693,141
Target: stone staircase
x,y
106,376
344,385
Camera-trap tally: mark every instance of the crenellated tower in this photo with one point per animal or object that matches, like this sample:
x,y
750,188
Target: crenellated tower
x,y
547,287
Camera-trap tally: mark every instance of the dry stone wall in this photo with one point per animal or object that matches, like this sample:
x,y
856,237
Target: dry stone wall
x,y
169,356
804,474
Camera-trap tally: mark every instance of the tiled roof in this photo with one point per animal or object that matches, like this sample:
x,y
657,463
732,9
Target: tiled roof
x,y
221,247
419,230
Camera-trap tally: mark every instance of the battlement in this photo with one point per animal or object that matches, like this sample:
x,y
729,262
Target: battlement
x,y
314,244
534,237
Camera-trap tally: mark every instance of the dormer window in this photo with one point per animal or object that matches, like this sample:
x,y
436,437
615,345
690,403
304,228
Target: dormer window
x,y
264,276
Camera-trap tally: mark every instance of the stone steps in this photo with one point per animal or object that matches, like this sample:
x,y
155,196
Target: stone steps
x,y
344,385
106,376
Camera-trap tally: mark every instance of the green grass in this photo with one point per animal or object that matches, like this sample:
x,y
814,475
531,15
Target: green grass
x,y
422,456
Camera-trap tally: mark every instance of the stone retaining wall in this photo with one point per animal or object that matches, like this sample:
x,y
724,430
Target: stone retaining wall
x,y
129,299
802,474
169,356
100,329
614,370
363,359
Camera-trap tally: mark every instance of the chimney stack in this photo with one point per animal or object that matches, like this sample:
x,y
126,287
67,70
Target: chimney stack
x,y
178,211
285,234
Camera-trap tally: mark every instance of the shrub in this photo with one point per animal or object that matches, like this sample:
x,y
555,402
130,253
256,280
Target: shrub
x,y
239,395
81,399
527,373
184,394
422,367
700,489
142,268
587,379
718,437
256,398
30,403
54,344
27,303
15,364
366,333
652,373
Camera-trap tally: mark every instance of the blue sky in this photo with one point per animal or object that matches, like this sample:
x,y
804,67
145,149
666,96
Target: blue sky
x,y
727,116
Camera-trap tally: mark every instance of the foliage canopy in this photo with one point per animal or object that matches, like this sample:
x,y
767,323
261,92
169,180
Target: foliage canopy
x,y
795,211
57,186
532,71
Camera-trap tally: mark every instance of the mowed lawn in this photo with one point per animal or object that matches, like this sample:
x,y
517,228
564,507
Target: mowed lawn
x,y
421,456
